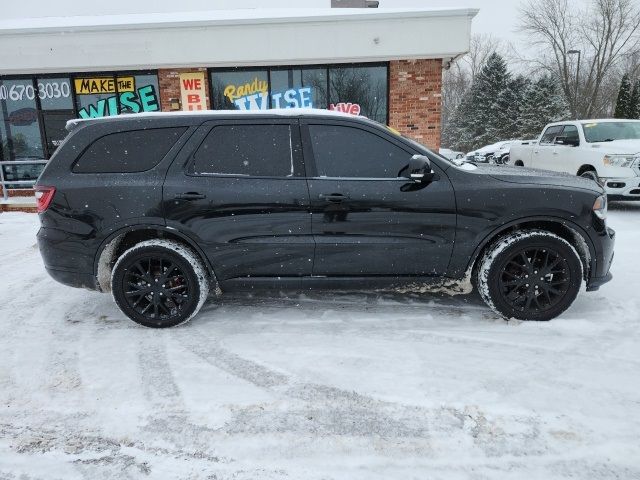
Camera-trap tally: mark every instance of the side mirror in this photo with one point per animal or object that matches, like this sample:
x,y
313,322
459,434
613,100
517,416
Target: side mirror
x,y
419,170
571,142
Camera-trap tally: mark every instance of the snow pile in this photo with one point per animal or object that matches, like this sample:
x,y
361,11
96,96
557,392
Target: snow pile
x,y
316,386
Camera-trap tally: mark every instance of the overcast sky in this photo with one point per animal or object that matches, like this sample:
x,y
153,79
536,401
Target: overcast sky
x,y
498,17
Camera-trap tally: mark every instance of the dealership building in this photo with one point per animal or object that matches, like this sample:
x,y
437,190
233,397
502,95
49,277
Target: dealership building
x,y
384,63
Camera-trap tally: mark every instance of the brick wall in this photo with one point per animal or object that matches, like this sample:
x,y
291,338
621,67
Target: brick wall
x,y
415,99
169,80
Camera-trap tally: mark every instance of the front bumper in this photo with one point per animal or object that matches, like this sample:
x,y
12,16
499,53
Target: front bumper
x,y
603,260
627,188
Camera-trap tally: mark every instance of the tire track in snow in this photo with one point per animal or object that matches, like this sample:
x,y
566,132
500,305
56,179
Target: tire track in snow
x,y
330,412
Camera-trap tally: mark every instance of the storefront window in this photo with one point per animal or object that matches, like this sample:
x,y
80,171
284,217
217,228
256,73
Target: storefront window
x,y
240,90
21,132
107,95
360,90
304,88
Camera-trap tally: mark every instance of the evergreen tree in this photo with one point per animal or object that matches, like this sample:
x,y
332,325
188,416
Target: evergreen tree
x,y
489,110
544,103
623,105
634,104
499,106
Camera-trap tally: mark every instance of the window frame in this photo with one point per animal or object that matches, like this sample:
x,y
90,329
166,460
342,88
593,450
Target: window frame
x,y
309,154
206,128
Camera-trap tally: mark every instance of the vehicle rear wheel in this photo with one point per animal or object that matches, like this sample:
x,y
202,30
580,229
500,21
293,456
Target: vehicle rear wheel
x,y
530,275
159,283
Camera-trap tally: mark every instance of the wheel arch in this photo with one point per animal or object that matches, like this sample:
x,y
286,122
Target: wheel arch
x,y
121,240
567,230
586,168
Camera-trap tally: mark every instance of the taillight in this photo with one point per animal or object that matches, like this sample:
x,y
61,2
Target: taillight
x,y
44,195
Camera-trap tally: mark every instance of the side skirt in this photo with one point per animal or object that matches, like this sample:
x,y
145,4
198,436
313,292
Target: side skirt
x,y
384,283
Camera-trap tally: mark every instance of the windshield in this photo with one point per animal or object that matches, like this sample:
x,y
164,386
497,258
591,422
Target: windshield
x,y
610,131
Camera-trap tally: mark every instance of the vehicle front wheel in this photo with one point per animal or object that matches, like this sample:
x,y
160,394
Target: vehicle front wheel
x,y
590,174
159,283
530,275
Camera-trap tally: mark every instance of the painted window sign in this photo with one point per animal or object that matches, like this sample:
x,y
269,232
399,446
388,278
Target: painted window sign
x,y
46,89
108,96
254,95
352,108
87,86
193,93
354,89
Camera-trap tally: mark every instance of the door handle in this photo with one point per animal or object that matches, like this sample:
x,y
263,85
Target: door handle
x,y
333,197
555,152
190,196
535,151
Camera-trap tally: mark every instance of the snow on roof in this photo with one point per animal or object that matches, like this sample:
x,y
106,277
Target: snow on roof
x,y
286,112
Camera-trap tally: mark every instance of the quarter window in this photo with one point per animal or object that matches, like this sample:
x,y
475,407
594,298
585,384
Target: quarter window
x,y
128,152
342,151
252,150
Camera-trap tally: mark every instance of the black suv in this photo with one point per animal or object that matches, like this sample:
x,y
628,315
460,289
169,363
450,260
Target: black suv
x,y
160,209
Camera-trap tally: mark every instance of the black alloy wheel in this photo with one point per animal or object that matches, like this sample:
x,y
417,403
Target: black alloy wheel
x,y
159,283
156,288
534,279
530,275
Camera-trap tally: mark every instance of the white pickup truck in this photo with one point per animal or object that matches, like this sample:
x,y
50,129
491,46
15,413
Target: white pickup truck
x,y
608,151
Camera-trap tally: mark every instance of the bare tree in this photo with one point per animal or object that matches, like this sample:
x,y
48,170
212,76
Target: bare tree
x,y
604,34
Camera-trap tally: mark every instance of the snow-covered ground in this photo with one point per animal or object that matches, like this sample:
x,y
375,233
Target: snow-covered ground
x,y
321,386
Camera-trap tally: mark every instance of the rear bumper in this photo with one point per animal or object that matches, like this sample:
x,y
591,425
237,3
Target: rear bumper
x,y
73,279
66,258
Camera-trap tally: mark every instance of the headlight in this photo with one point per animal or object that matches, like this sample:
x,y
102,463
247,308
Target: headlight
x,y
621,160
600,207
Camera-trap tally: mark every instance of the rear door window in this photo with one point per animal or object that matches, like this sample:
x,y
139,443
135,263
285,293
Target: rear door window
x,y
571,133
128,152
247,150
342,151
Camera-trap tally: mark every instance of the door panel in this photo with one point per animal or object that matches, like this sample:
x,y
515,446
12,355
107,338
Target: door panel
x,y
378,229
374,226
247,226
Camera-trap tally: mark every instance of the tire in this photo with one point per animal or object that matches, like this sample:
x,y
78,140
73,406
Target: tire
x,y
592,174
530,275
159,283
519,163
